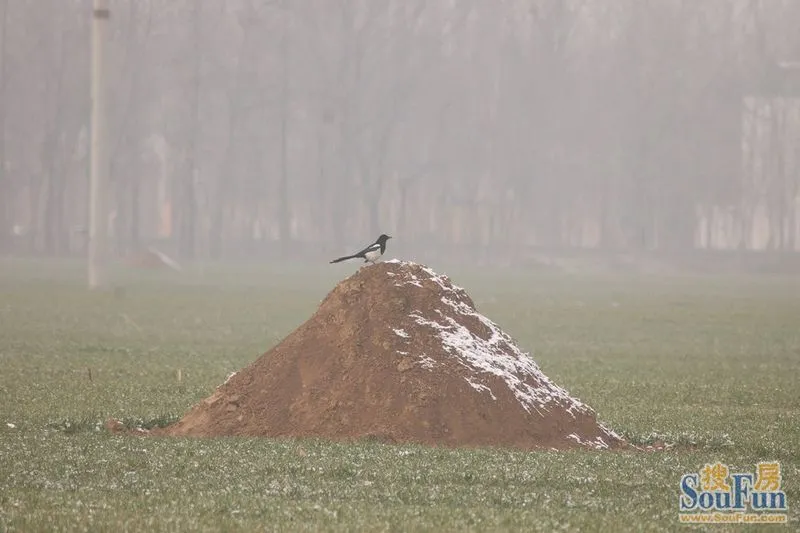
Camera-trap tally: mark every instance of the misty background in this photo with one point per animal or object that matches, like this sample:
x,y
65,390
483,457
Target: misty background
x,y
485,129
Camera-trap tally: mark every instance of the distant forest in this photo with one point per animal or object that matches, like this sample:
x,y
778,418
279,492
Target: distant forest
x,y
245,127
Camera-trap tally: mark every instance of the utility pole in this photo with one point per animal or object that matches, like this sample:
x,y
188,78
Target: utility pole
x,y
99,164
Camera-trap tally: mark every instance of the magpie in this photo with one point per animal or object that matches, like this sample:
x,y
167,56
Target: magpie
x,y
371,253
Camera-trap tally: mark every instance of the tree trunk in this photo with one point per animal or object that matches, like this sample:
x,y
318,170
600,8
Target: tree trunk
x,y
402,224
215,232
133,218
374,219
341,190
188,206
122,220
186,243
5,187
795,231
51,222
46,223
321,196
54,185
284,220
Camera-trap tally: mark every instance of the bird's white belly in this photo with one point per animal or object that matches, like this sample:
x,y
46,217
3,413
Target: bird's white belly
x,y
372,255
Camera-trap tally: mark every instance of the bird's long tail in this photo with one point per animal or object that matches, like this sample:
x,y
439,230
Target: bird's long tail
x,y
345,258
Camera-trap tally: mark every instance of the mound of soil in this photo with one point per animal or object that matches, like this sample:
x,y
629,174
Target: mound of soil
x,y
398,353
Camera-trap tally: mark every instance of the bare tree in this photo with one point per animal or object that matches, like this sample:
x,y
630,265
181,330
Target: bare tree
x,y
259,126
126,149
284,203
5,187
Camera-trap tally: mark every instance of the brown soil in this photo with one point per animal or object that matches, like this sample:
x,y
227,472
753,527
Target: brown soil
x,y
398,353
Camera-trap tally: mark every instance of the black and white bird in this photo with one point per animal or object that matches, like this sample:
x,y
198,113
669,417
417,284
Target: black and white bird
x,y
371,253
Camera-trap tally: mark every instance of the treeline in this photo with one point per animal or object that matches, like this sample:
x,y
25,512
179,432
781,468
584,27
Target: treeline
x,y
239,126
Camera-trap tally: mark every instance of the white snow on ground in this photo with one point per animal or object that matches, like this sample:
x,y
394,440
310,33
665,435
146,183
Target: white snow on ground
x,y
401,333
412,280
443,281
480,387
497,355
427,363
598,443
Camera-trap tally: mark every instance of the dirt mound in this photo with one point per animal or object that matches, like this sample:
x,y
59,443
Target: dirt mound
x,y
396,352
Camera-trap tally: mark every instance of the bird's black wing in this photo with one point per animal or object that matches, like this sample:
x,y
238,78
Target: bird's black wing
x,y
370,248
362,253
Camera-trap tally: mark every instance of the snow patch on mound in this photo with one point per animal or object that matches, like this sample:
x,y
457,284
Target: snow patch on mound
x,y
401,333
497,355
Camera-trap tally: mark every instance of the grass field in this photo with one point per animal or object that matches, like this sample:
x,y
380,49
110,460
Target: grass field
x,y
709,363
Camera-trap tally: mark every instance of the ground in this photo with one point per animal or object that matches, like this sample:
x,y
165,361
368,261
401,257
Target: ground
x,y
710,364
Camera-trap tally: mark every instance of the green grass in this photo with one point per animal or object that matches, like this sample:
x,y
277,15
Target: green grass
x,y
708,363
